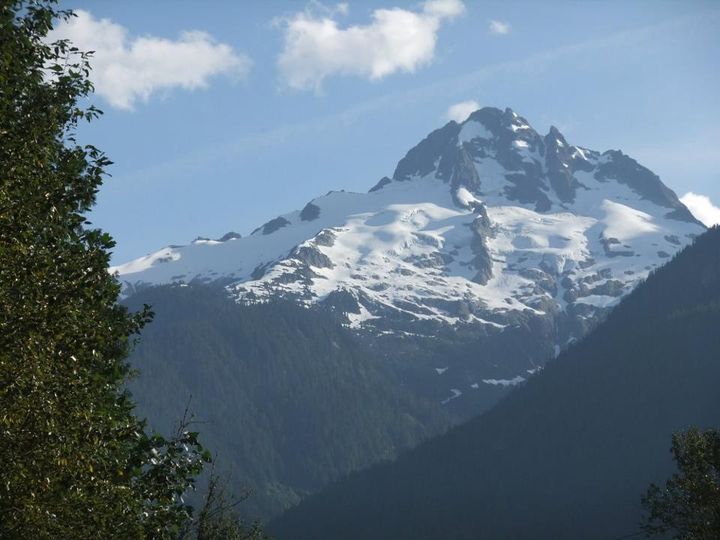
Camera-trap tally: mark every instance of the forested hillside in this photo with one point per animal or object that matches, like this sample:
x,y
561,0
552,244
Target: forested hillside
x,y
567,455
288,399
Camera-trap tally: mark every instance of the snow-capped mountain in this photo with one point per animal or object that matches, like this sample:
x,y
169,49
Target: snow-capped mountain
x,y
485,224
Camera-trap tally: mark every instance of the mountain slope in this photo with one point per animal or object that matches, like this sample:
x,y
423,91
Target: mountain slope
x,y
286,397
568,454
487,233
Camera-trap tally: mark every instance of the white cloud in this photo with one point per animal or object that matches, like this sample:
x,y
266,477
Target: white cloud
x,y
702,208
126,70
444,8
499,28
460,111
396,40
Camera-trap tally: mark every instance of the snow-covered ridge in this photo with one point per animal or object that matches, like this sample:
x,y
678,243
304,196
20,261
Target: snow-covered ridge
x,y
482,222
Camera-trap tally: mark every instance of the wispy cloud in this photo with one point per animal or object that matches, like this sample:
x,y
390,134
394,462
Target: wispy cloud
x,y
702,208
499,28
127,70
460,111
396,39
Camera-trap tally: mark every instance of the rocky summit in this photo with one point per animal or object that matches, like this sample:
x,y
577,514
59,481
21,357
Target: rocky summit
x,y
487,231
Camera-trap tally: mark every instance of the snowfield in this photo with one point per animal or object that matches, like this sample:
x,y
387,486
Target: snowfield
x,y
522,224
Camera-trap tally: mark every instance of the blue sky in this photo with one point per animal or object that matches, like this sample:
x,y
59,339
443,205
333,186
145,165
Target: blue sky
x,y
220,115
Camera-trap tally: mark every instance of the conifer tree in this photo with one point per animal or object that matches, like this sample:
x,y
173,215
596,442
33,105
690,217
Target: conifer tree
x,y
689,504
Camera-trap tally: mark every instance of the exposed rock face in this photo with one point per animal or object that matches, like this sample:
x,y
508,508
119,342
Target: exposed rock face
x,y
561,164
310,212
422,159
384,181
482,229
232,235
272,225
312,256
464,173
625,170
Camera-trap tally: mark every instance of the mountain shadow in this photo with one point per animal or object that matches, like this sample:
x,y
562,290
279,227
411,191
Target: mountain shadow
x,y
568,454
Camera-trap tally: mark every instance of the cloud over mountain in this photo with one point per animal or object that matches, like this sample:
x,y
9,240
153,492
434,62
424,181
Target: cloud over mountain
x,y
460,111
702,208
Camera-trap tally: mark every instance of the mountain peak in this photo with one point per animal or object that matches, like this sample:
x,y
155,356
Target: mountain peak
x,y
554,133
545,172
497,120
483,222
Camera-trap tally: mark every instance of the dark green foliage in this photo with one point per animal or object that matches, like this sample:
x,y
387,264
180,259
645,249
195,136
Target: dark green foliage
x,y
568,454
689,505
74,460
288,398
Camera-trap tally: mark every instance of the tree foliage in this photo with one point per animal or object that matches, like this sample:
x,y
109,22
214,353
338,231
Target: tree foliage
x,y
218,518
689,504
75,461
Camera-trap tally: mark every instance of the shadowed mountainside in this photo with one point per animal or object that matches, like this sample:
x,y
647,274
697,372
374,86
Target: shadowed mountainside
x,y
287,398
568,454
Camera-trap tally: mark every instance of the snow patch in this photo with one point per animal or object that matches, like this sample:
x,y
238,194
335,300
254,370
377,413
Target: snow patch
x,y
505,382
625,223
455,394
471,130
598,300
466,198
148,261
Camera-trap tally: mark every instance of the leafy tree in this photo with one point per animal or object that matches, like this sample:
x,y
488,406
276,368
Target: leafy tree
x,y
689,505
218,518
75,461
